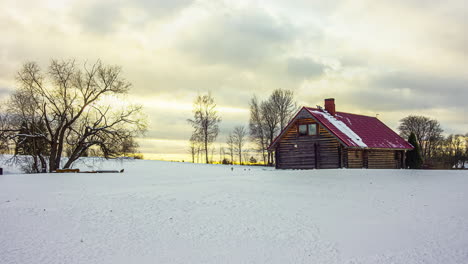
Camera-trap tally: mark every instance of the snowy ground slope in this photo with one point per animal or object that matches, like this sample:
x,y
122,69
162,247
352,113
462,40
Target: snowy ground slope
x,y
162,212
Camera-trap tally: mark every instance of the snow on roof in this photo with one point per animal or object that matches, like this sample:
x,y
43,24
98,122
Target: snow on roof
x,y
359,130
342,127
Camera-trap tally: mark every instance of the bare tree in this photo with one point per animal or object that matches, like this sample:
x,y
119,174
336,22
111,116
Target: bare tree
x,y
4,131
205,121
222,154
194,144
283,101
271,118
213,152
239,137
129,147
452,151
64,108
427,131
246,157
230,143
268,118
257,128
466,151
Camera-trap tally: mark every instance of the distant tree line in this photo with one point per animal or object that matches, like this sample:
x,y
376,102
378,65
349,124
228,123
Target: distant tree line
x,y
433,149
62,113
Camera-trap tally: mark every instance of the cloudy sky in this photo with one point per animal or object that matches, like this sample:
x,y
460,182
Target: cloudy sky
x,y
391,58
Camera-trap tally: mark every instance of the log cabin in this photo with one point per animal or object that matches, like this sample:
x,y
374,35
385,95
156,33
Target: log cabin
x,y
321,138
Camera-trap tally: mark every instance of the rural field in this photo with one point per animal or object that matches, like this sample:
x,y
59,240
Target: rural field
x,y
168,212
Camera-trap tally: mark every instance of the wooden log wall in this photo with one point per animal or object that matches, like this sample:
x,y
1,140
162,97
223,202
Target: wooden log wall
x,y
374,159
384,159
355,159
307,152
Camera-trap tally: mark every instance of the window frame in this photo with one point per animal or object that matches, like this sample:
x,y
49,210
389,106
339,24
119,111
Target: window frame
x,y
316,130
307,134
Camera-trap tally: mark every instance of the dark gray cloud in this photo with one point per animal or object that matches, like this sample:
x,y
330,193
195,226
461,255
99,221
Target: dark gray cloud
x,y
240,37
304,67
424,83
412,90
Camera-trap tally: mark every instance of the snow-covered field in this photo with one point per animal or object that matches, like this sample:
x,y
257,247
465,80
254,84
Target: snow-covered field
x,y
163,212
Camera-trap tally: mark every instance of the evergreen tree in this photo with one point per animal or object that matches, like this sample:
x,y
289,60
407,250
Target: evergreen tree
x,y
413,157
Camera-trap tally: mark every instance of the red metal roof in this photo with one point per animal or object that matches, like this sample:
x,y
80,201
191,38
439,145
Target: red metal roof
x,y
357,131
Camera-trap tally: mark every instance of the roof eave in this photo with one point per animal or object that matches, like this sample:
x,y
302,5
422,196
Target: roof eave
x,y
370,148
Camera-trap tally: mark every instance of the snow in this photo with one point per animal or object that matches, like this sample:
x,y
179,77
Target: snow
x,y
163,212
342,127
343,117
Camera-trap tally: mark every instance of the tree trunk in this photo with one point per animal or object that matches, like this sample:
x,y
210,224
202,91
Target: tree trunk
x,y
43,164
53,150
206,151
36,169
60,149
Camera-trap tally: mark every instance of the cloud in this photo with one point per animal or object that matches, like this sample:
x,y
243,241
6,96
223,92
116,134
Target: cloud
x,y
423,82
241,37
162,7
4,92
101,17
428,90
304,67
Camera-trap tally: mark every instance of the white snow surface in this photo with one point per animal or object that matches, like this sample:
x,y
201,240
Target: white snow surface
x,y
342,127
164,212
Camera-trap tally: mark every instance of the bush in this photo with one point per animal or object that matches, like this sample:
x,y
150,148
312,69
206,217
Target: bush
x,y
413,157
137,156
253,160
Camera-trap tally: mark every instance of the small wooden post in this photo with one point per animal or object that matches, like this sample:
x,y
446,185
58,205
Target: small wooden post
x,y
1,171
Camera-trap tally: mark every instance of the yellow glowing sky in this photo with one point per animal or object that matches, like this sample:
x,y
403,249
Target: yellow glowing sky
x,y
391,58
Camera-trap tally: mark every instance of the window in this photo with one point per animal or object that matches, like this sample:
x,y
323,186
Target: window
x,y
302,130
312,129
307,130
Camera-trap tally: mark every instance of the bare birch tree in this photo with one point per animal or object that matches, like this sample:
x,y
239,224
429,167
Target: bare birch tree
x,y
230,146
205,121
194,144
239,137
283,101
257,128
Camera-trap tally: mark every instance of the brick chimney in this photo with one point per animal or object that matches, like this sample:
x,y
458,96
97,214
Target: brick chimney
x,y
330,106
